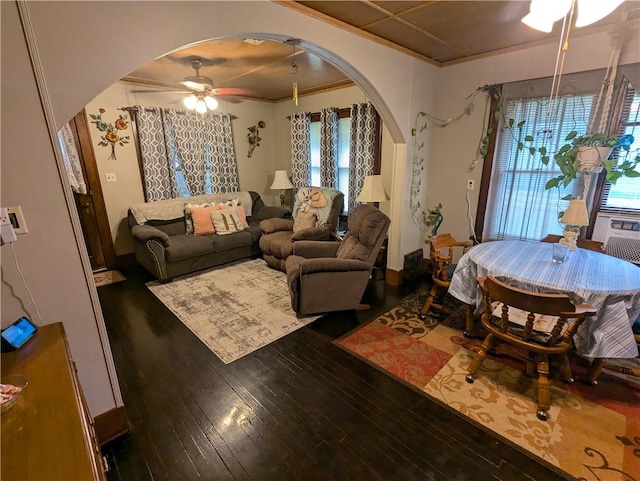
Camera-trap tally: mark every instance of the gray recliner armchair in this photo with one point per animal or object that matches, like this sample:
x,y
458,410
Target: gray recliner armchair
x,y
316,211
332,276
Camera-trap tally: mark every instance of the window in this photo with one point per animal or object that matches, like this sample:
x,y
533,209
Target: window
x,y
624,196
519,206
344,136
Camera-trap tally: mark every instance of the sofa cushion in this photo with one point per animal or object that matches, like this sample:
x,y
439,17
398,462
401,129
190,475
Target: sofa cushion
x,y
185,246
223,243
170,227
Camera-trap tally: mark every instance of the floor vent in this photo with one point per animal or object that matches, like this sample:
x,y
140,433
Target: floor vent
x,y
413,264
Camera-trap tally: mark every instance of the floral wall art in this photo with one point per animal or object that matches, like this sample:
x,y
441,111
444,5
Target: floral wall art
x,y
254,136
110,136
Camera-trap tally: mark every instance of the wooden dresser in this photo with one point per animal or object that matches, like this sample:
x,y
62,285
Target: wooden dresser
x,y
48,435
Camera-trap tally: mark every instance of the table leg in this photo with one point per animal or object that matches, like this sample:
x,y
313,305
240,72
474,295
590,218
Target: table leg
x,y
594,371
469,321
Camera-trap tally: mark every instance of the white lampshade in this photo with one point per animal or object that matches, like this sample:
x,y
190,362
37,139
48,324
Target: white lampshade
x,y
190,102
212,103
590,11
281,180
543,13
576,214
373,190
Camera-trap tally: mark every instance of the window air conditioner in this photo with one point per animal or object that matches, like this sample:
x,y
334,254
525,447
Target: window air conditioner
x,y
623,239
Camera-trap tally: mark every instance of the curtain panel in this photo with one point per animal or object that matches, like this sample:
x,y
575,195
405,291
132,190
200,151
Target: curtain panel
x,y
223,168
362,151
329,147
300,150
158,167
71,158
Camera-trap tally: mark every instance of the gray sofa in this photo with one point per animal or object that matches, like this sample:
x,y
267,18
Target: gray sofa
x,y
163,247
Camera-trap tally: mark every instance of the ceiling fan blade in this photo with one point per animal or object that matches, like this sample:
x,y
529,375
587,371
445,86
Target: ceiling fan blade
x,y
232,91
160,91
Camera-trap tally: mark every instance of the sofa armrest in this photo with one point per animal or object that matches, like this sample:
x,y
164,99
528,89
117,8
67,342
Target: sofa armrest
x,y
311,249
144,233
313,234
269,226
273,212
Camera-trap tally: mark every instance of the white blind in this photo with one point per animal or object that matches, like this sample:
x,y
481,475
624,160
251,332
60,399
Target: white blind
x,y
624,196
519,206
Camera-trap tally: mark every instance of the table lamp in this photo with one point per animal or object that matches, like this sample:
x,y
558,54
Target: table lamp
x,y
281,182
372,190
574,217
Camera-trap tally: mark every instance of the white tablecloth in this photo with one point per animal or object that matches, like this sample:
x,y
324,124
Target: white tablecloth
x,y
609,284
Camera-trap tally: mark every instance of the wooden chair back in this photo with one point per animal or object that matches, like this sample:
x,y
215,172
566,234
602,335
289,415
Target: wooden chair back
x,y
582,243
519,302
443,247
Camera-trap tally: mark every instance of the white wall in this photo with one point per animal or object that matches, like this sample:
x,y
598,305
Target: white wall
x,y
453,148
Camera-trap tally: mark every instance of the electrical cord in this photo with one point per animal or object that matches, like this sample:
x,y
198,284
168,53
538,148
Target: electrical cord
x,y
15,257
470,217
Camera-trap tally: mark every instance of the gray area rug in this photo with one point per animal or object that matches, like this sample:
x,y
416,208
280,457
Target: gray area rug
x,y
234,309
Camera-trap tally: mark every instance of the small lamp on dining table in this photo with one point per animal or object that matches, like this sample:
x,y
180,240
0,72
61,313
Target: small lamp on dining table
x,y
575,216
281,182
372,190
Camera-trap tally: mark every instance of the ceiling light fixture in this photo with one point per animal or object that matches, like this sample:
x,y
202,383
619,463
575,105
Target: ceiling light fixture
x,y
543,13
200,102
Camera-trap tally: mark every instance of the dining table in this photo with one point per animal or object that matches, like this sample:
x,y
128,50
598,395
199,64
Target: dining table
x,y
609,284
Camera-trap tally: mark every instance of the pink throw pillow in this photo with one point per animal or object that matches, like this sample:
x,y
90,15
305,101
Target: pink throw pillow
x,y
242,215
201,217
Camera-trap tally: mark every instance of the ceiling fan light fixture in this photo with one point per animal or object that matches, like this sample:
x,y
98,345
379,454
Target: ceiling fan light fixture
x,y
211,103
590,11
201,106
190,102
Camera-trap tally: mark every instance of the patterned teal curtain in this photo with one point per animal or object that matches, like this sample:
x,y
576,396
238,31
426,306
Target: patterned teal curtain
x,y
329,147
362,148
300,150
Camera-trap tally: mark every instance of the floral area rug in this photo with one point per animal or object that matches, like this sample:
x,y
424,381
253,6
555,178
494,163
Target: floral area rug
x,y
592,434
233,309
105,278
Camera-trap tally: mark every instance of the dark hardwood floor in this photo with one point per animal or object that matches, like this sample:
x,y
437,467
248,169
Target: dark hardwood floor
x,y
300,408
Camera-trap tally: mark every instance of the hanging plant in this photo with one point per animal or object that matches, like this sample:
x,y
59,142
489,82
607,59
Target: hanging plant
x,y
111,136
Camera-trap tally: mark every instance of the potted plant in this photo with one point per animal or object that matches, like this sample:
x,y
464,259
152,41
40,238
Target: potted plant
x,y
589,153
585,154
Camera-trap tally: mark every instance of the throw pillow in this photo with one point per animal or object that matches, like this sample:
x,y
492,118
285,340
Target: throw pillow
x,y
304,220
226,221
201,218
242,215
187,214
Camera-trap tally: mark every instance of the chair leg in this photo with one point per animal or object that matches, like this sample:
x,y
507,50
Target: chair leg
x,y
469,321
427,303
482,354
594,371
544,396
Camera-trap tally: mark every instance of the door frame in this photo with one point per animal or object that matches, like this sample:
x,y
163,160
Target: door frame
x,y
80,128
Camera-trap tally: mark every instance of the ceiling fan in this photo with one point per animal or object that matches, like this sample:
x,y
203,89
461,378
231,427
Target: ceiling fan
x,y
202,96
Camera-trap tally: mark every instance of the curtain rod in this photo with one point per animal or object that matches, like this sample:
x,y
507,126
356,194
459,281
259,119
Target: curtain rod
x,y
153,109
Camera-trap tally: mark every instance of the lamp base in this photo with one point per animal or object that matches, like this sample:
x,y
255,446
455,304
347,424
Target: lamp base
x,y
569,238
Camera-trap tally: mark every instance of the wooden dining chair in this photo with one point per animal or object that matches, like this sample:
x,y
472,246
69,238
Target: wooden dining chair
x,y
443,248
538,325
582,243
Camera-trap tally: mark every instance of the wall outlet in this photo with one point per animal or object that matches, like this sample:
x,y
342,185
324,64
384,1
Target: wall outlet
x,y
17,219
470,184
111,177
